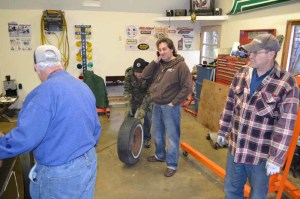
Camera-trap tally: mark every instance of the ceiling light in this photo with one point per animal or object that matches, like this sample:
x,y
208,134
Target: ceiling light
x,y
91,3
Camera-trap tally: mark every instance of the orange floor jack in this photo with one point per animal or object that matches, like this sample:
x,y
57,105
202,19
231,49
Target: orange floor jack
x,y
104,111
278,182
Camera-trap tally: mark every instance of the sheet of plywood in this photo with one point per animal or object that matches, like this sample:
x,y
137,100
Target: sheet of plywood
x,y
211,104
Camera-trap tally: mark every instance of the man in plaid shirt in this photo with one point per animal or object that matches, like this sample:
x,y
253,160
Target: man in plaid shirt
x,y
259,116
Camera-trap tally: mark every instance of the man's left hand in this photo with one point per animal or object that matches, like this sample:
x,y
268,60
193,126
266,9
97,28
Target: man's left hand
x,y
272,168
1,133
139,114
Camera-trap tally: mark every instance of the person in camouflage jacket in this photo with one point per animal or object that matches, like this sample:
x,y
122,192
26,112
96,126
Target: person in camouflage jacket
x,y
136,91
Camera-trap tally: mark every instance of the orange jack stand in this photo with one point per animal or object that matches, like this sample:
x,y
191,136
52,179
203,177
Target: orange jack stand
x,y
190,111
104,111
278,183
188,102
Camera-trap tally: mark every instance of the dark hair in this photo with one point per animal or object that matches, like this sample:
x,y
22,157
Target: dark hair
x,y
169,43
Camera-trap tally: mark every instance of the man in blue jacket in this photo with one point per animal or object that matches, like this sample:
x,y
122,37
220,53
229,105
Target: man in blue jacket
x,y
59,123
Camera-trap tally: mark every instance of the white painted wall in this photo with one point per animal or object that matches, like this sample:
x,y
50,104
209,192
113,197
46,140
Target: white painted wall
x,y
109,55
275,17
108,32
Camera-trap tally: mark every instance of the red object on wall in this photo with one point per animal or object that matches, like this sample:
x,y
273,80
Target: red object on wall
x,y
246,36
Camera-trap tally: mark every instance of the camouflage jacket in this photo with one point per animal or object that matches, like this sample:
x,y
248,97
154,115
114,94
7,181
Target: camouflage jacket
x,y
138,90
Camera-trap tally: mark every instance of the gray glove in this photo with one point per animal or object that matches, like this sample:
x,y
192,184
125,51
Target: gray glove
x,y
222,141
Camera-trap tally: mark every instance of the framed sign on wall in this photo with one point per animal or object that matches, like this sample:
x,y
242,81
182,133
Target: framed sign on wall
x,y
246,36
202,7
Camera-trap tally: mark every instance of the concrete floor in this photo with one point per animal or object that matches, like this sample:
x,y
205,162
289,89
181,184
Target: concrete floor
x,y
146,180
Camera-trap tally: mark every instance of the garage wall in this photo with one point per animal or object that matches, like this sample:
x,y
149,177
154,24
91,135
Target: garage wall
x,y
108,31
275,17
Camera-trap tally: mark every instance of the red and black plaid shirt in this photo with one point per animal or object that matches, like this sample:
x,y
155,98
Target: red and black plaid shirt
x,y
261,126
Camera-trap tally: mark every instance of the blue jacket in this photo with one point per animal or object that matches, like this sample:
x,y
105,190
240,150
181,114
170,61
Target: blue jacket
x,y
58,122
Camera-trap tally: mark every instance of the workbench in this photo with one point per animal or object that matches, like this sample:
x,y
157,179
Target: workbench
x,y
5,103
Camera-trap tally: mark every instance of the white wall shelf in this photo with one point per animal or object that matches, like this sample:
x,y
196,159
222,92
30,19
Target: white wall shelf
x,y
201,19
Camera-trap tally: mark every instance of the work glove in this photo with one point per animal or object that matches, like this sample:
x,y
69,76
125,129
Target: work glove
x,y
272,168
222,141
129,111
139,114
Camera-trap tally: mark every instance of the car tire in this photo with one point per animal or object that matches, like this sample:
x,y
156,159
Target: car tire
x,y
130,141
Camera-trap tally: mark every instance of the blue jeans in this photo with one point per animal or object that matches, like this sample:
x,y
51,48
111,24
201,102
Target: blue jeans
x,y
166,119
73,180
237,175
146,125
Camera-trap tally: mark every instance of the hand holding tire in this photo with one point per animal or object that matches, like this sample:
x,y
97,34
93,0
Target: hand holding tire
x,y
129,111
139,114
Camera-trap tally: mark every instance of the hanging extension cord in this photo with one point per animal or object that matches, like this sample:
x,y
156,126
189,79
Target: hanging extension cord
x,y
56,23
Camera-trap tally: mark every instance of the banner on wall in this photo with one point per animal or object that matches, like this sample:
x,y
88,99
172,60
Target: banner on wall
x,y
144,38
240,6
19,36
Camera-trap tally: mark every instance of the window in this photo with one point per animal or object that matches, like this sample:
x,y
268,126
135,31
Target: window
x,y
291,49
210,42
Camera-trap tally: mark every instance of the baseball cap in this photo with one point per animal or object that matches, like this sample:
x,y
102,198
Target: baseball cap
x,y
139,65
263,41
46,53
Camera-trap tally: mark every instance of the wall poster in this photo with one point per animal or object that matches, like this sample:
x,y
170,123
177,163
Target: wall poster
x,y
144,38
19,36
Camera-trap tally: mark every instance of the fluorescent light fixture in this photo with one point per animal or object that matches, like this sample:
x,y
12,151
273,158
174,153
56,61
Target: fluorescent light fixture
x,y
91,3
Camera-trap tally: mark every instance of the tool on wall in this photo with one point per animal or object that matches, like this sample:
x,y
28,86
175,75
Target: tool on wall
x,y
54,27
83,32
84,57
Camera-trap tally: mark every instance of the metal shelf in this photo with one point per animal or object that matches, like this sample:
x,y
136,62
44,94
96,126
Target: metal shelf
x,y
202,19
